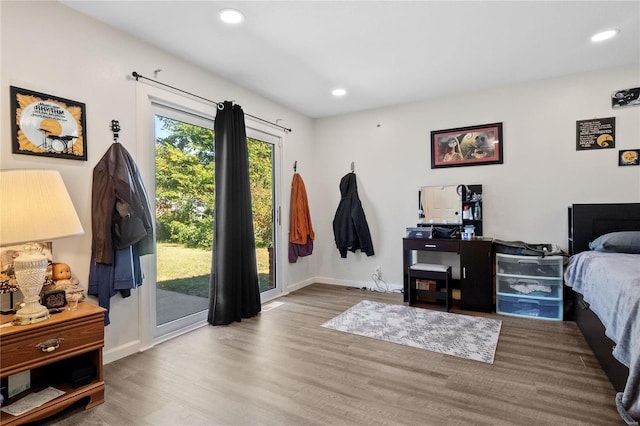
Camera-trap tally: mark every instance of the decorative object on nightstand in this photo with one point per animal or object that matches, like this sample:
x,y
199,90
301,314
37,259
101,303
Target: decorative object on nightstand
x,y
34,206
70,285
54,299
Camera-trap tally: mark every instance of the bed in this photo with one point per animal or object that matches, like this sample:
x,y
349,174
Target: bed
x,y
604,274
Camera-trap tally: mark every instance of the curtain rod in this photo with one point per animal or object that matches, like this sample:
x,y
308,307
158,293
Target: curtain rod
x,y
218,104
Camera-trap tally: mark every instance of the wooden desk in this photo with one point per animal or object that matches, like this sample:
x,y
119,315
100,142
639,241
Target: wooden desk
x,y
476,268
73,338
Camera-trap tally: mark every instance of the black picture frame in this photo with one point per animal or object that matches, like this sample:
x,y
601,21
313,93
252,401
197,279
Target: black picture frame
x,y
467,146
47,126
596,133
625,98
629,157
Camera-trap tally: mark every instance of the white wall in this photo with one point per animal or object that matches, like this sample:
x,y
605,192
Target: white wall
x,y
49,48
526,198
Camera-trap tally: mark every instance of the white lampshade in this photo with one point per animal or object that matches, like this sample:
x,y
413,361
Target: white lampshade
x,y
34,207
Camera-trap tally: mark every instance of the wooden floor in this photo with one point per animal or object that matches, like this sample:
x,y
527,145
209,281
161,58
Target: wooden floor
x,y
283,368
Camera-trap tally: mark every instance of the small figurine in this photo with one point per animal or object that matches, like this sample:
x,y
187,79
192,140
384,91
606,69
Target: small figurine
x,y
61,275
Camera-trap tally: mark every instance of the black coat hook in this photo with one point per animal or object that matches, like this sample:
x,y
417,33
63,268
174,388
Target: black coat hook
x,y
115,128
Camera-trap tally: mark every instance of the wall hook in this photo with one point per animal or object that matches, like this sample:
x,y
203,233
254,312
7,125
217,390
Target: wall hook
x,y
115,128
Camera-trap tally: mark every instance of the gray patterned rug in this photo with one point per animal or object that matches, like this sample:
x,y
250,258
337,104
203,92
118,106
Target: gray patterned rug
x,y
463,336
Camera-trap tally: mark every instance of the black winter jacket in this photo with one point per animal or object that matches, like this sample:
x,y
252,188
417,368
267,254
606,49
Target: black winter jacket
x,y
350,226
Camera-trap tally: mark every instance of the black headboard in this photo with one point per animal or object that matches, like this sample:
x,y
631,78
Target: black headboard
x,y
589,221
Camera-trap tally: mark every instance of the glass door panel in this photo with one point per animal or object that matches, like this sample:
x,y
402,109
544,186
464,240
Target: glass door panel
x,y
261,172
184,202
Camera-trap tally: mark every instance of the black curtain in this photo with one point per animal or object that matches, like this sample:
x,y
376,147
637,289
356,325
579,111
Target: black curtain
x,y
234,279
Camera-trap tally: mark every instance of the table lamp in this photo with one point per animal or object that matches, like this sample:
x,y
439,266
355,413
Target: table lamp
x,y
34,207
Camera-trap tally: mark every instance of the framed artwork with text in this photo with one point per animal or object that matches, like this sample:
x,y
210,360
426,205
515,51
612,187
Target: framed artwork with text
x,y
47,125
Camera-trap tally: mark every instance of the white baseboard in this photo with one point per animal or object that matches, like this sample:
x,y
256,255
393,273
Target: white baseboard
x,y
121,351
298,286
369,285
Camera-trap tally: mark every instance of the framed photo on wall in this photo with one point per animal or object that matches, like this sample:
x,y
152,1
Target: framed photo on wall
x,y
625,98
47,125
629,157
467,146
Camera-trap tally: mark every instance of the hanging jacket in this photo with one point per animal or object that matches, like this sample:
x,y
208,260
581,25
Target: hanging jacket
x,y
120,212
301,233
120,276
350,226
122,227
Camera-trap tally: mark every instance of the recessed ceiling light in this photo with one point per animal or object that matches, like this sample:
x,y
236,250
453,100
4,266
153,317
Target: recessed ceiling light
x,y
604,35
231,16
338,92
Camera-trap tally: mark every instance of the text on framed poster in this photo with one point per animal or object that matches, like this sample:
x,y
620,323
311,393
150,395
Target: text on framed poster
x,y
596,133
47,125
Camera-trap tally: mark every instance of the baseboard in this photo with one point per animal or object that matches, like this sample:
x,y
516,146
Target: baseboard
x,y
298,286
369,285
120,352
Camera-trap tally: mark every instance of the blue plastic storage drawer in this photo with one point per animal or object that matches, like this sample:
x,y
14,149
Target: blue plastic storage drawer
x,y
530,308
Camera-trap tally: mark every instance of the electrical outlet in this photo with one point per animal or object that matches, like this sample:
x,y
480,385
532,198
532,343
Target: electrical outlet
x,y
378,272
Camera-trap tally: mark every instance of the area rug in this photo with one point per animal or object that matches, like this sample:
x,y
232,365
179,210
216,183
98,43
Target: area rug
x,y
463,336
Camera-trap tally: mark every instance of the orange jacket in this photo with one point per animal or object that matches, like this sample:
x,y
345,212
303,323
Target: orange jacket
x,y
300,220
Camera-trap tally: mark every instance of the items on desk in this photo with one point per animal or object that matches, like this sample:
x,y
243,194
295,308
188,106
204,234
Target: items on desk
x,y
420,232
469,232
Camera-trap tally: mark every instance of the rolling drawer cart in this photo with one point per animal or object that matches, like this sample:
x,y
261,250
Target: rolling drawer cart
x,y
529,286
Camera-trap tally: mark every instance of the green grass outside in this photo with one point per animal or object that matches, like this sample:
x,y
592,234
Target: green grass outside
x,y
186,270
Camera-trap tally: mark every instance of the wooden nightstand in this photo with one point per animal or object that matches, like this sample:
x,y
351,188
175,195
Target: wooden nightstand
x,y
52,349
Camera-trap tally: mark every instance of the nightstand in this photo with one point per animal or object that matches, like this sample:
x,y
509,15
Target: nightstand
x,y
52,351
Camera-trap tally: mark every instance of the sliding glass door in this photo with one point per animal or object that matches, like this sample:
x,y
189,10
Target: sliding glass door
x,y
184,207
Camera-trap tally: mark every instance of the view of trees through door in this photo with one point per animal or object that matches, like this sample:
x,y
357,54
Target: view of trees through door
x,y
185,200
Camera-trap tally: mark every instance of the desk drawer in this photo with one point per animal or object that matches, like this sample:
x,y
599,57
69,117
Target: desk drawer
x,y
21,350
425,244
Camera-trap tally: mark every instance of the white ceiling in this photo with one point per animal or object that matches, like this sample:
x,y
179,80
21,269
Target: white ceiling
x,y
382,52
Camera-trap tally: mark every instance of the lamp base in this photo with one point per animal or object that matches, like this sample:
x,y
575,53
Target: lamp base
x,y
26,318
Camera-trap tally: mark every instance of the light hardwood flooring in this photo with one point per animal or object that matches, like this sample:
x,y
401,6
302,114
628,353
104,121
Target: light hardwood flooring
x,y
283,368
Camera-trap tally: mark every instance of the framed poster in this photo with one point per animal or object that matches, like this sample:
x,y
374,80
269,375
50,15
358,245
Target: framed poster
x,y
629,157
625,97
47,125
597,133
467,146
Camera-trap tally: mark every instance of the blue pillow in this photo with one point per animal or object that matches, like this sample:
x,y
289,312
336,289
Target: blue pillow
x,y
617,242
